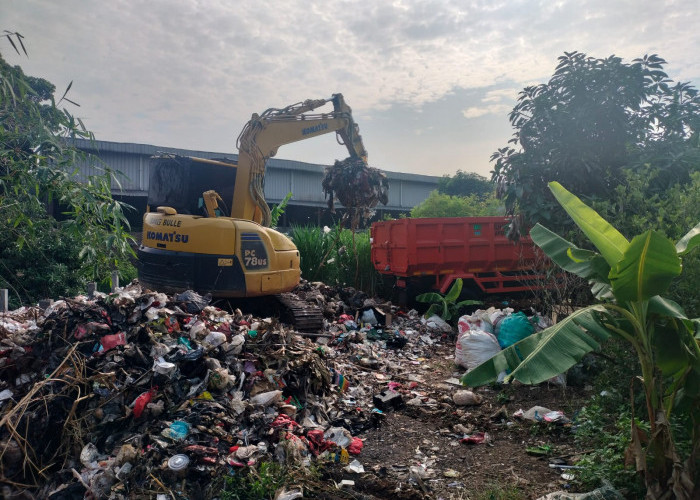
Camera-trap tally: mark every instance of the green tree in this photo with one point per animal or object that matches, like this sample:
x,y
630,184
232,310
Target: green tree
x,y
594,118
628,278
465,184
59,231
445,205
635,207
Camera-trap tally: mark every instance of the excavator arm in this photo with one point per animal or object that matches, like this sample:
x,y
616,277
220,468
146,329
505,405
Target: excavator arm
x,y
264,134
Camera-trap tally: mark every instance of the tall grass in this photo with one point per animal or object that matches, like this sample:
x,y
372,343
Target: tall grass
x,y
336,257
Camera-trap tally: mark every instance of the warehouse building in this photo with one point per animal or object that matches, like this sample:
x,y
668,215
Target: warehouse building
x,y
307,205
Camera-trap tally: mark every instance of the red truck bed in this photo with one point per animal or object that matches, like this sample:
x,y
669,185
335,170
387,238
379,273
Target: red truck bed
x,y
472,248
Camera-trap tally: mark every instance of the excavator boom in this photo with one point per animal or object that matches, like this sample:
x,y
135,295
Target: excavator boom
x,y
264,134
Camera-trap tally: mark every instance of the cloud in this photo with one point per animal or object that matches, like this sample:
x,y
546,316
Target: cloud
x,y
493,109
191,72
494,102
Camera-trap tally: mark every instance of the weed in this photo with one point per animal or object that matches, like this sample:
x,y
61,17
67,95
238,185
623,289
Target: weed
x,y
260,484
502,397
606,440
500,492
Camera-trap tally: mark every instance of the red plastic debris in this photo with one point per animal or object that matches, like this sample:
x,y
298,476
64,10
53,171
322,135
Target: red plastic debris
x,y
477,438
284,421
198,449
356,446
143,400
109,342
317,443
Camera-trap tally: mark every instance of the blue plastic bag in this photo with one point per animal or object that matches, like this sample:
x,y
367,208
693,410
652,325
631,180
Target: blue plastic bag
x,y
514,328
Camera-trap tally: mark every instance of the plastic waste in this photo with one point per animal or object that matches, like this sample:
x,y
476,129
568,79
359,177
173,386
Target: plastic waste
x,y
435,322
534,414
368,317
292,494
474,347
179,429
88,455
178,464
339,436
194,302
163,367
514,328
266,398
109,342
605,492
355,467
479,320
476,438
355,448
214,339
141,402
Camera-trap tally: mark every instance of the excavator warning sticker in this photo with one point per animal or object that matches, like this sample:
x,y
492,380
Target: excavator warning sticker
x,y
254,252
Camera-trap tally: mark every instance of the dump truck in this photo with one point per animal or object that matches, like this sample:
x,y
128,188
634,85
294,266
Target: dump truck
x,y
429,254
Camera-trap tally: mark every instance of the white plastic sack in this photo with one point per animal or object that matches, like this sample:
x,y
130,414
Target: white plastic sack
x,y
476,321
266,398
435,322
474,347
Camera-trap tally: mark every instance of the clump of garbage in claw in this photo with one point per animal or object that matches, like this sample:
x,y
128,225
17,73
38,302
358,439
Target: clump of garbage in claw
x,y
132,392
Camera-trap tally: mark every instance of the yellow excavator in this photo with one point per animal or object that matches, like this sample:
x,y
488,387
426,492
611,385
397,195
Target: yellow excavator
x,y
206,225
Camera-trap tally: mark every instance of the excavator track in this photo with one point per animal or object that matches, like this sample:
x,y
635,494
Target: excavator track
x,y
304,316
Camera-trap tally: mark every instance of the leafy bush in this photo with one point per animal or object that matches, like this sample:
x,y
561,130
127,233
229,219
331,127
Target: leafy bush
x,y
444,205
465,184
59,231
336,256
637,206
590,121
603,430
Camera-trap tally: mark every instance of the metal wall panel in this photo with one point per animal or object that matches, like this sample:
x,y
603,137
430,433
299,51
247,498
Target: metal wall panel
x,y
414,193
277,184
282,176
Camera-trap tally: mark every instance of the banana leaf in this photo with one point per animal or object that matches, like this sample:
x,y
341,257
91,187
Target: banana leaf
x,y
583,263
545,354
647,268
608,240
454,291
689,241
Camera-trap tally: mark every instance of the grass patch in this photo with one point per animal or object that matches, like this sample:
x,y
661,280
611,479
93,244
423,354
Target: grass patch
x,y
336,256
255,484
500,492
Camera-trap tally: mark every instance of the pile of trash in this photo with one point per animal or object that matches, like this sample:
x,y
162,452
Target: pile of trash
x,y
141,394
356,185
484,333
131,392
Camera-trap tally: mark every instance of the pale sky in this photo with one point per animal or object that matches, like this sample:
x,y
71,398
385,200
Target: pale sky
x,y
431,82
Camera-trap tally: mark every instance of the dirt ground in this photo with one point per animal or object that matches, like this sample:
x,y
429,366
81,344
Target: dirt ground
x,y
417,453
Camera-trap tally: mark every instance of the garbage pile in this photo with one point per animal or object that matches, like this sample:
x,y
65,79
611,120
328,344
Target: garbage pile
x,y
356,185
484,333
127,394
138,394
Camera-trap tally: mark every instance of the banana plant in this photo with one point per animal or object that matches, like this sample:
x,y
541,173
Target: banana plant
x,y
628,279
446,306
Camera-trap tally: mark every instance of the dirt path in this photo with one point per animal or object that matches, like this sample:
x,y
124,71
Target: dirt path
x,y
417,451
